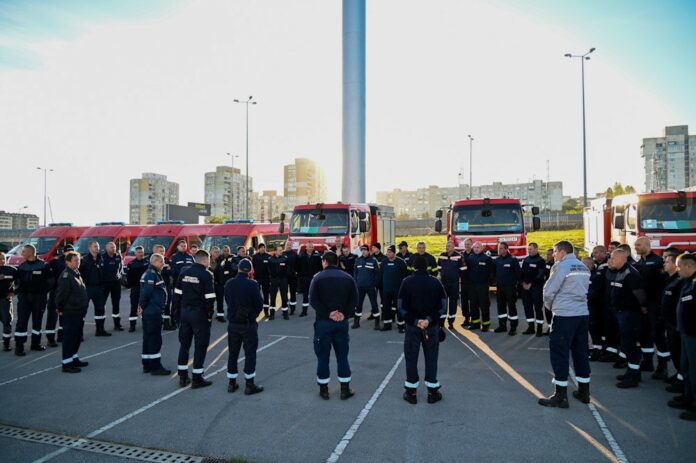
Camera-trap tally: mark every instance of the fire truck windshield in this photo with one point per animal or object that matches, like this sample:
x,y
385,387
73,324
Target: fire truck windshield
x,y
310,222
42,244
233,241
149,242
82,245
487,219
658,215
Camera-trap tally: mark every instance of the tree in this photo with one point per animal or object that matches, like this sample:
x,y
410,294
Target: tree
x,y
619,189
425,215
216,219
570,204
629,189
610,193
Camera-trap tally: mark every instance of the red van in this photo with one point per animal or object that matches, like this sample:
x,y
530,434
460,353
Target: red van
x,y
168,233
49,241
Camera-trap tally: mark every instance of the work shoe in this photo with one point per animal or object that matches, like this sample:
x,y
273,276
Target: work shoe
x,y
265,312
502,328
324,391
661,370
117,324
434,395
37,347
680,403
627,375
484,328
559,399
539,330
530,329
513,329
285,315
101,332
52,343
647,363
676,388
688,415
410,395
377,327
160,371
79,363
199,382
220,318
252,388
474,326
292,310
594,355
19,350
629,381
184,380
271,314
132,326
346,391
6,345
583,393
608,357
356,322
304,312
69,368
232,386
620,363
450,323
387,327
672,379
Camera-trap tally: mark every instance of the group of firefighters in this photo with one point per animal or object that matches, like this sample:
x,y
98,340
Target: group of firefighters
x,y
637,308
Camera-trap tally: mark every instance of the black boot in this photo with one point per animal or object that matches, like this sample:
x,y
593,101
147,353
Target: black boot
x,y
410,395
513,328
271,314
402,329
539,330
304,311
220,318
199,382
647,363
583,393
168,325
502,326
292,309
37,347
474,326
252,388
450,323
387,326
101,332
661,370
132,326
676,387
19,349
6,344
184,380
285,315
51,338
530,329
595,354
377,327
620,363
485,327
356,322
434,395
559,399
232,386
466,323
79,363
346,391
630,379
70,368
159,370
324,391
266,312
117,324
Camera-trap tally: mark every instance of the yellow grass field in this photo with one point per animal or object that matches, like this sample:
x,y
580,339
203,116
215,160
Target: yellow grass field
x,y
545,239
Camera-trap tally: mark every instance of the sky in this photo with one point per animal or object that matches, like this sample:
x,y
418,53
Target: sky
x,y
103,91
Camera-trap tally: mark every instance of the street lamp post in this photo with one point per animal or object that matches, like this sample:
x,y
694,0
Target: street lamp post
x,y
584,138
232,157
471,165
45,171
247,103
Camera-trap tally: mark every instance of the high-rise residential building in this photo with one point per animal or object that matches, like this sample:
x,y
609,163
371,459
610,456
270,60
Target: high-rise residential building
x,y
670,160
423,202
224,191
304,182
268,205
149,197
15,220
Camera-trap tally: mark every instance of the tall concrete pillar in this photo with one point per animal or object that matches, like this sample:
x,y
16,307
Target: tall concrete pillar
x,y
353,101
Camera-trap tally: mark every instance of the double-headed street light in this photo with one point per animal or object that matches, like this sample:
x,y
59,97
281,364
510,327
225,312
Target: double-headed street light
x,y
247,102
583,58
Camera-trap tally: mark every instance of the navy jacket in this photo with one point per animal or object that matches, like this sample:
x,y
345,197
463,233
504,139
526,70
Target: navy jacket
x,y
431,262
195,290
406,258
225,269
153,293
670,299
366,272
91,270
533,270
34,277
71,293
179,261
480,268
392,274
292,263
112,268
347,263
278,266
333,289
422,297
686,310
625,289
260,263
8,275
451,267
651,270
245,291
507,270
57,266
596,295
134,271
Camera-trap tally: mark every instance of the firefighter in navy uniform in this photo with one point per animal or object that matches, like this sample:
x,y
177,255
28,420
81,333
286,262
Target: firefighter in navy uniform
x,y
34,280
366,275
507,277
405,255
180,260
533,278
429,259
132,274
194,301
452,267
333,296
422,303
380,258
260,263
308,265
166,272
604,344
244,304
668,307
480,269
111,280
8,274
626,298
346,261
291,255
222,273
686,324
652,333
91,269
72,302
153,299
57,266
278,271
466,284
392,273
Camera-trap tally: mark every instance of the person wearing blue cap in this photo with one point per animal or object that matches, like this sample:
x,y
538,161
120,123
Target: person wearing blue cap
x,y
244,304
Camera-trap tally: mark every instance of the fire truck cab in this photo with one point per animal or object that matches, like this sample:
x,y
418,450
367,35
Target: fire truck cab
x,y
49,241
490,221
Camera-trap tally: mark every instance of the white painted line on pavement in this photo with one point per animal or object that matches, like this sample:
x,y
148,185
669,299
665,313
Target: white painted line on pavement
x,y
288,336
39,358
137,412
341,447
545,349
618,452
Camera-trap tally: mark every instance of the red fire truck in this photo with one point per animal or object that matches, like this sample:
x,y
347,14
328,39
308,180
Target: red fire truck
x,y
117,232
49,241
340,224
168,233
235,233
667,218
490,221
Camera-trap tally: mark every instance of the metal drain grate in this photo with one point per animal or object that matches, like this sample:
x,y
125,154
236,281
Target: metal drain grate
x,y
96,446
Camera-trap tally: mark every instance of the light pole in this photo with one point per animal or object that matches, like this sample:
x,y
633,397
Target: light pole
x,y
584,138
232,157
247,103
471,165
45,171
